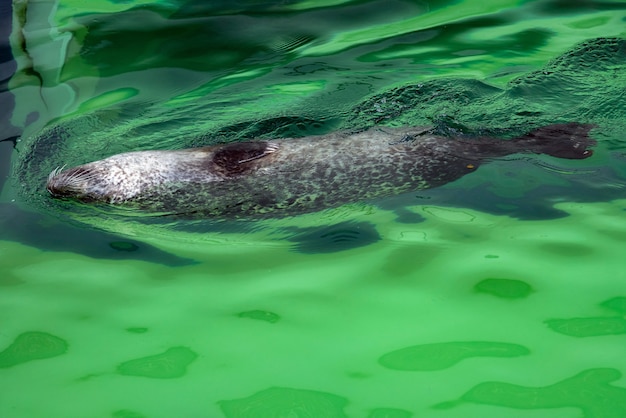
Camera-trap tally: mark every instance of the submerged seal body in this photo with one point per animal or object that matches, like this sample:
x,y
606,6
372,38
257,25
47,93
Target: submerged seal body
x,y
292,176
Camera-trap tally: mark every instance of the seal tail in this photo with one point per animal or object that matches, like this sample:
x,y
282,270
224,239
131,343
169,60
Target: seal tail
x,y
567,140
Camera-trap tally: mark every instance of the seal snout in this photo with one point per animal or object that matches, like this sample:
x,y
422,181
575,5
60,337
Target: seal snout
x,y
68,183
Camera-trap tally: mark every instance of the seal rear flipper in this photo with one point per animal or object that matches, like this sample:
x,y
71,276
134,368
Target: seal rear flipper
x,y
566,140
232,158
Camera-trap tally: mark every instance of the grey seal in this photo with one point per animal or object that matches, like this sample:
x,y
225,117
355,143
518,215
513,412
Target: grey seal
x,y
285,177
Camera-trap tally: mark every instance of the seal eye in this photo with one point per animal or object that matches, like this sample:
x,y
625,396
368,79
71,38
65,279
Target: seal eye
x,y
232,158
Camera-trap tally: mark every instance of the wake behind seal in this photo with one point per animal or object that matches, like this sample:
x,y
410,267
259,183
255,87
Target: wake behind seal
x,y
260,179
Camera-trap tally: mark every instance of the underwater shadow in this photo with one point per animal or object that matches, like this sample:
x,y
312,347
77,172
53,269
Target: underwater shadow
x,y
332,238
48,234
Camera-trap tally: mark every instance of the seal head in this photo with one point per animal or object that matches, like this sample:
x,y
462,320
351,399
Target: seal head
x,y
124,177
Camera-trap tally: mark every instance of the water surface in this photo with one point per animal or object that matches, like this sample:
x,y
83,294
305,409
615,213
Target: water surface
x,y
499,295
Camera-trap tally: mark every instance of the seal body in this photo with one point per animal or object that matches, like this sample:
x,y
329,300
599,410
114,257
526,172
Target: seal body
x,y
292,176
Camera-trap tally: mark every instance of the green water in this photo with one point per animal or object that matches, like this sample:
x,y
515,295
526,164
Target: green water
x,y
502,294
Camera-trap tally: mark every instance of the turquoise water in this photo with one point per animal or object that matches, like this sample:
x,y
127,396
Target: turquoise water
x,y
499,295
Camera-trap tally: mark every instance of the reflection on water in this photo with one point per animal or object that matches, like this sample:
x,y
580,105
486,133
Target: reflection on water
x,y
498,295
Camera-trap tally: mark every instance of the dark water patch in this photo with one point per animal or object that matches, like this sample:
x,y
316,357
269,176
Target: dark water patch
x,y
617,304
358,375
32,345
357,10
406,260
286,402
49,234
504,288
260,315
588,327
137,330
532,200
124,246
159,42
567,249
314,67
170,364
389,413
197,8
404,216
12,140
593,326
8,133
589,391
232,35
562,7
6,149
6,14
334,238
439,356
127,413
616,234
8,279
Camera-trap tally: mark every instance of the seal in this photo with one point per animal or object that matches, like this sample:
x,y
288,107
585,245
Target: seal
x,y
292,176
